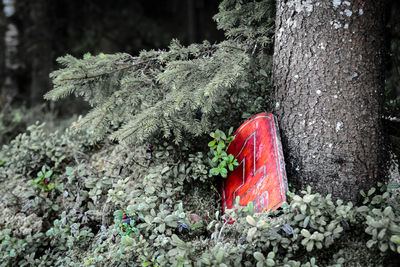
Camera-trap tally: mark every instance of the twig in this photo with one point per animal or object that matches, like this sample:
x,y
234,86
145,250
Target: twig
x,y
222,228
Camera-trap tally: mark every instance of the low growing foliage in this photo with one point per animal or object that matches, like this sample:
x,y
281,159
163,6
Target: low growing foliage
x,y
221,161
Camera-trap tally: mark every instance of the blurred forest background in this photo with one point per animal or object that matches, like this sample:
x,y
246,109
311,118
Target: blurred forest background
x,y
35,33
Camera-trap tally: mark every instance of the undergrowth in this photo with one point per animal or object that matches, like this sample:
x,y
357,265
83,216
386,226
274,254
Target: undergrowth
x,y
152,206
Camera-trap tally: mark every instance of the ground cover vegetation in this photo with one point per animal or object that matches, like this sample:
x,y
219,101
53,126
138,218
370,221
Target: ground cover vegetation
x,y
134,183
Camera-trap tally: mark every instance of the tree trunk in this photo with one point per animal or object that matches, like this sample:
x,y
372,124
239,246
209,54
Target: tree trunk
x,y
2,49
36,27
40,35
328,80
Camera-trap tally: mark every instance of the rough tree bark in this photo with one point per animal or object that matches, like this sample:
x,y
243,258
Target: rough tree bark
x,y
328,80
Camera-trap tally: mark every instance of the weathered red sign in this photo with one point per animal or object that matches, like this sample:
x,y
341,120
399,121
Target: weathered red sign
x,y
260,176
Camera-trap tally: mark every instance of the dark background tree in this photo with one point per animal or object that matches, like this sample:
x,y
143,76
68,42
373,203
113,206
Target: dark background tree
x,y
49,29
35,33
2,48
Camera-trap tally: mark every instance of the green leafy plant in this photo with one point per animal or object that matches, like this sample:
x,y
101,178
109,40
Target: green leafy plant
x,y
382,221
221,161
125,223
44,180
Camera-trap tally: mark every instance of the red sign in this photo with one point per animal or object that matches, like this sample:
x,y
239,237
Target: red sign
x,y
260,176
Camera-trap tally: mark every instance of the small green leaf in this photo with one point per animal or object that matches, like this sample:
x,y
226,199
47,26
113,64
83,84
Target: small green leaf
x,y
270,262
230,131
297,198
214,171
250,220
230,139
363,209
212,143
223,136
264,73
388,211
305,233
250,207
271,255
224,172
338,230
383,247
250,234
220,256
220,146
299,217
222,164
118,213
310,245
48,174
370,243
126,240
308,198
258,256
303,207
395,239
206,261
371,191
306,220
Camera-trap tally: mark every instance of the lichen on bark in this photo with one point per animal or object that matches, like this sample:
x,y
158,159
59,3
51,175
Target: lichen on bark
x,y
328,80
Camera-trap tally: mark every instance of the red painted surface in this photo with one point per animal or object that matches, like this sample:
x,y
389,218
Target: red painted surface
x,y
260,176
